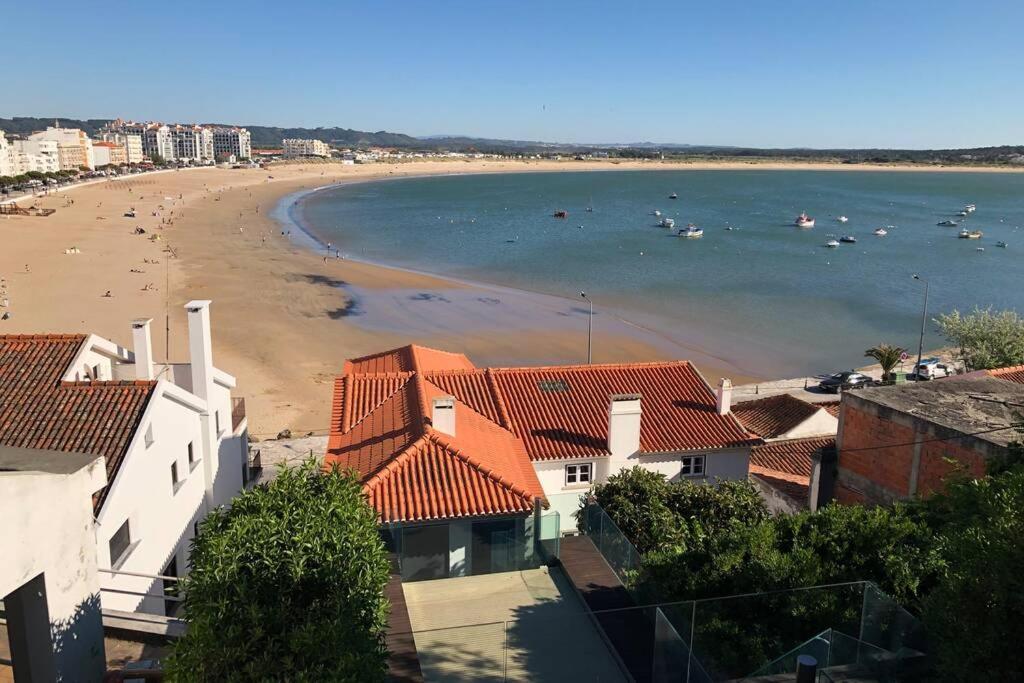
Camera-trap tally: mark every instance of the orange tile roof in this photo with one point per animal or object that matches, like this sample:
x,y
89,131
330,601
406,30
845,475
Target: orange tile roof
x,y
38,410
505,418
832,407
772,417
786,465
1014,373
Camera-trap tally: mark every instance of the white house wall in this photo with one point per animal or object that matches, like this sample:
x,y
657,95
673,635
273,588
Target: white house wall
x,y
821,423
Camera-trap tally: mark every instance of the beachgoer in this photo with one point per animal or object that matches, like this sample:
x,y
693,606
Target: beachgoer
x,y
108,294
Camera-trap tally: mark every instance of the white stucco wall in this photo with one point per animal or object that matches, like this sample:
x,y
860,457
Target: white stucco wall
x,y
821,423
48,529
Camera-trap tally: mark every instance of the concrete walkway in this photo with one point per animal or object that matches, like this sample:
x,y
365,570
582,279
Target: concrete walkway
x,y
516,626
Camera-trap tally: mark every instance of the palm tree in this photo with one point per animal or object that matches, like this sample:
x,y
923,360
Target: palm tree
x,y
887,355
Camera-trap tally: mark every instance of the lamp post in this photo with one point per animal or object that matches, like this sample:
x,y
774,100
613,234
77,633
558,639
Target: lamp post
x,y
924,317
590,329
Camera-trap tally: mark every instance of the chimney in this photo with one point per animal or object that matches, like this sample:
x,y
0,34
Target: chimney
x,y
443,417
724,396
200,347
623,428
143,347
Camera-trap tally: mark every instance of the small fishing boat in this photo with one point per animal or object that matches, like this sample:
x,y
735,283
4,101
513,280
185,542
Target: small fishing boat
x,y
881,232
655,213
970,235
590,209
804,221
673,196
560,214
667,223
970,208
962,214
691,231
848,239
832,244
948,224
1001,244
980,249
842,219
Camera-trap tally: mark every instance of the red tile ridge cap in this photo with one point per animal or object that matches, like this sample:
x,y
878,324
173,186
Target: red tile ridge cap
x,y
421,397
385,470
42,337
499,400
996,372
110,383
597,366
348,406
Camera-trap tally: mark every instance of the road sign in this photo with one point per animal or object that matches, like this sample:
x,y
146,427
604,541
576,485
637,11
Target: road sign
x,y
904,357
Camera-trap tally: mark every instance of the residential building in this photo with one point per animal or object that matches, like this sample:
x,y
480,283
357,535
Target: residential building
x,y
232,141
192,143
74,148
460,462
902,441
174,440
132,143
6,157
49,580
796,434
306,148
109,154
34,155
156,138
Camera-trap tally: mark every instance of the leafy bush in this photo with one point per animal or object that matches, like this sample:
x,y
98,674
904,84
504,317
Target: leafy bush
x,y
986,339
287,584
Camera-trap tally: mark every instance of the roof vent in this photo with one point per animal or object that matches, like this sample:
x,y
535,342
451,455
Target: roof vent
x,y
443,415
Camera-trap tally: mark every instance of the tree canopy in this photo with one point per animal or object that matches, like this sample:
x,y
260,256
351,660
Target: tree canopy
x,y
986,338
287,584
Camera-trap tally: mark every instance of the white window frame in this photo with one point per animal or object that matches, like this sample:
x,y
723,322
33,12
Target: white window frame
x,y
696,464
577,471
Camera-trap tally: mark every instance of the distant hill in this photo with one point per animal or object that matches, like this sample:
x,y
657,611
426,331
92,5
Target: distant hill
x,y
268,136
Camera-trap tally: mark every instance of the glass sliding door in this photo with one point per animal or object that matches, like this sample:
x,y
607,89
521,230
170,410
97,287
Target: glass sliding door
x,y
425,552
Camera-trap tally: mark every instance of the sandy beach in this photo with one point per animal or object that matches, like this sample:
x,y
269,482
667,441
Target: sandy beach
x,y
284,319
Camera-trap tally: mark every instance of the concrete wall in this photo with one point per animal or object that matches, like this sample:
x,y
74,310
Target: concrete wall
x,y
872,472
48,529
821,423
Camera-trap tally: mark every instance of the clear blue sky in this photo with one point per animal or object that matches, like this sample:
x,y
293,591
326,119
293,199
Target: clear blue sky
x,y
824,73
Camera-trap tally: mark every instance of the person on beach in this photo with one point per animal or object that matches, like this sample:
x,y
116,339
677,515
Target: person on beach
x,y
108,295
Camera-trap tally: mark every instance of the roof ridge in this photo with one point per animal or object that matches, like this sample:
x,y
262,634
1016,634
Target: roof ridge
x,y
370,412
70,336
429,418
499,400
442,440
595,366
384,471
109,383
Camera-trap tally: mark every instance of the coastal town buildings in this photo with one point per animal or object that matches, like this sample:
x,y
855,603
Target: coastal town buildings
x,y
305,148
109,154
233,141
6,156
192,143
796,434
22,156
902,441
132,144
74,148
173,440
461,462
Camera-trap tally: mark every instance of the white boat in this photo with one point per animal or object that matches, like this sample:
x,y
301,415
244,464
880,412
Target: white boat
x,y
962,214
970,208
692,232
842,219
970,235
655,213
947,224
1001,244
804,221
980,249
832,244
673,196
881,232
667,223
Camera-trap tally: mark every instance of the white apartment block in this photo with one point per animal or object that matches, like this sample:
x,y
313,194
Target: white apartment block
x,y
192,143
31,155
73,146
174,440
6,157
109,154
232,141
305,148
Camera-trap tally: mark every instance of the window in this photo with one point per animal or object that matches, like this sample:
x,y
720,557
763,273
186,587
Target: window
x,y
120,542
191,456
216,420
149,435
693,466
578,474
174,476
96,371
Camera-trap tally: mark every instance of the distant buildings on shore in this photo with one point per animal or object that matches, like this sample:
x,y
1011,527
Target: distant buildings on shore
x,y
189,143
305,148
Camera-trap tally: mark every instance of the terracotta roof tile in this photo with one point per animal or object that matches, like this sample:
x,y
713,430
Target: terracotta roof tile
x,y
832,407
772,417
786,465
38,410
1014,373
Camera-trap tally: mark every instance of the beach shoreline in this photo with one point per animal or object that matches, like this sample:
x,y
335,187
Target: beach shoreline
x,y
284,319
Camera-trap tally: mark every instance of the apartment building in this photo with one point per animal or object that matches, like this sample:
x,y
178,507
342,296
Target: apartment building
x,y
109,154
74,148
305,148
236,142
173,439
22,156
132,144
192,143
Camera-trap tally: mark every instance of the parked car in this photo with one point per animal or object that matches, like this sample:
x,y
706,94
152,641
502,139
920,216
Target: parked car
x,y
931,368
841,381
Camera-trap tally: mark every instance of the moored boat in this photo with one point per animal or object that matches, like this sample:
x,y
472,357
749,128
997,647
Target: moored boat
x,y
655,213
667,223
970,208
560,214
832,244
848,239
881,232
947,224
970,235
673,196
842,219
691,231
804,221
1001,244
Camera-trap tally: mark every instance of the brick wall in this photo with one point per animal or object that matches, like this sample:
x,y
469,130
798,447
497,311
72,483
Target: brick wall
x,y
884,473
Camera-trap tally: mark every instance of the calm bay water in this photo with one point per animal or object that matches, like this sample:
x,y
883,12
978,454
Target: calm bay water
x,y
766,296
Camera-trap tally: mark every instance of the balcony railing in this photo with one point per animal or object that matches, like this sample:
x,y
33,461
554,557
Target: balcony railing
x,y
237,412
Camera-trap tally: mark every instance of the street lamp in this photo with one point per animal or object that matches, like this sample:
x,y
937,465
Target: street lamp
x,y
924,317
590,329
